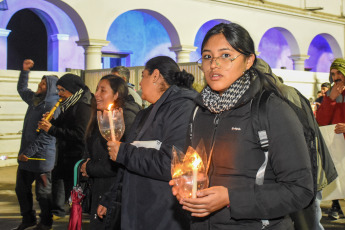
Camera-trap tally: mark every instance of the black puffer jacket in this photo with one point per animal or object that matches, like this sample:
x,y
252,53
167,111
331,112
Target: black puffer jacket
x,y
237,157
147,201
101,170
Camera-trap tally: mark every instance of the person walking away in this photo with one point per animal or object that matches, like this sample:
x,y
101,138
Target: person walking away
x,y
35,145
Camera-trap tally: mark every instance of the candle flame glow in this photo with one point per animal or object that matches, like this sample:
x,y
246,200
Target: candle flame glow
x,y
177,172
196,161
109,106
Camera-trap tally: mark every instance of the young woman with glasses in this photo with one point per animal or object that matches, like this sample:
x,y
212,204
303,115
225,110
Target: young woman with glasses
x,y
235,199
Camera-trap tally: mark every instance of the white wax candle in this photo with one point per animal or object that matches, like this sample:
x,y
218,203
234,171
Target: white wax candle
x,y
111,124
195,182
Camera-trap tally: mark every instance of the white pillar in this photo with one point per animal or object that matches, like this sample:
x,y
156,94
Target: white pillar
x,y
55,51
183,52
3,47
93,53
298,61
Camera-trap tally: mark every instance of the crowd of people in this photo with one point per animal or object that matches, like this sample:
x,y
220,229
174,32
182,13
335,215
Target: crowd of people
x,y
249,186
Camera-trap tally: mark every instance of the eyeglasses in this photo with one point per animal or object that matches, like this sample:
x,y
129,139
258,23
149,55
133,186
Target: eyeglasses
x,y
224,60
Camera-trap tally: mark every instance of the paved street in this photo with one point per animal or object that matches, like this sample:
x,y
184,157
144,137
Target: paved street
x,y
9,208
10,215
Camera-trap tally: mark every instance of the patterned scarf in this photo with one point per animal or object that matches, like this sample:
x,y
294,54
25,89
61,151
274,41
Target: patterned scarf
x,y
217,104
71,100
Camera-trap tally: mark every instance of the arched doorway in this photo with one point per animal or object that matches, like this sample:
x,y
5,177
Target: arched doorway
x,y
28,39
135,37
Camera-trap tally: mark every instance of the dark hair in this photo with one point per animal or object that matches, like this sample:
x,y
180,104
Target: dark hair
x,y
325,84
118,85
170,71
237,37
122,71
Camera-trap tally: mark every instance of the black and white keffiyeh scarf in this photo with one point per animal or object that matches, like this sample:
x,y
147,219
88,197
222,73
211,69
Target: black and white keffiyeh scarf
x,y
217,104
71,100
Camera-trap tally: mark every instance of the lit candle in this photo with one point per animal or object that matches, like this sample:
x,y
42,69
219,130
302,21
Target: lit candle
x,y
195,182
111,124
195,164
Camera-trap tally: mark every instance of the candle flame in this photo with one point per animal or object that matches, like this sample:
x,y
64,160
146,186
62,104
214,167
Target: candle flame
x,y
177,172
109,106
196,160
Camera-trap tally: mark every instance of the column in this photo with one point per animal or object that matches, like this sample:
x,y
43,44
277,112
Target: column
x,y
3,47
55,51
93,53
298,61
183,52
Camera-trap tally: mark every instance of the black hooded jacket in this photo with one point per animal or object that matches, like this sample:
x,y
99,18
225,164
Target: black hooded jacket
x,y
237,157
147,201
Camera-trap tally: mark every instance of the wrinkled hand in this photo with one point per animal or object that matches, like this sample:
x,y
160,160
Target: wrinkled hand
x,y
113,148
208,200
22,157
336,90
44,125
83,168
101,211
339,128
28,64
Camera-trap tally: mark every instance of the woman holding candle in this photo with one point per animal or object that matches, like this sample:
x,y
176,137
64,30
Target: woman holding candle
x,y
98,167
147,202
223,121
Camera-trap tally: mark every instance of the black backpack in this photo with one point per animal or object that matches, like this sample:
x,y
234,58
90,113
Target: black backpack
x,y
313,137
260,125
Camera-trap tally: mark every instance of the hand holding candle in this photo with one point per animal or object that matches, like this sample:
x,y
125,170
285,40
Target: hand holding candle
x,y
188,173
111,124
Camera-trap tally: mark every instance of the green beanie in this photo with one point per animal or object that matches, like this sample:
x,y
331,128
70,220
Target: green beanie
x,y
338,64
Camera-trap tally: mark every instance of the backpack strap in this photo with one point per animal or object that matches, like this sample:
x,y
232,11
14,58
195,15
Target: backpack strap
x,y
260,126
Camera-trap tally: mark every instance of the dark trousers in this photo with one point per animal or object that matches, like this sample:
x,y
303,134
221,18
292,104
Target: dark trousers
x,y
43,195
62,184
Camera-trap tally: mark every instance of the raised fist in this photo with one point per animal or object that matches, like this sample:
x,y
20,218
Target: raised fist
x,y
28,64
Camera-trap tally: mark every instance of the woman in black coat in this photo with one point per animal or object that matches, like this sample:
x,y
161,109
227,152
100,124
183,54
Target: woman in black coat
x,y
147,202
101,170
250,187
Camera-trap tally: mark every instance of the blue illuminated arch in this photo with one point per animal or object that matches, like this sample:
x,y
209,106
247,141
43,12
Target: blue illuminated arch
x,y
275,47
201,34
141,34
322,51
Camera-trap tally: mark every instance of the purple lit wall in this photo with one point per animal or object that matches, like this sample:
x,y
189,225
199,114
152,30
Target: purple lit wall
x,y
321,55
274,49
61,35
196,55
141,35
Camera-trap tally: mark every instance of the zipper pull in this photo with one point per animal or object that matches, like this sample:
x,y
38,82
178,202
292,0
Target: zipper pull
x,y
216,120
